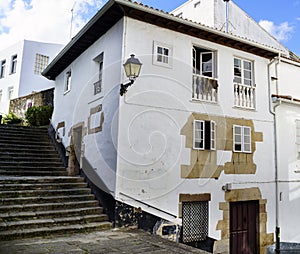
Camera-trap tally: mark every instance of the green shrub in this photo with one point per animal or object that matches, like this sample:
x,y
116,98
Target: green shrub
x,y
39,116
11,118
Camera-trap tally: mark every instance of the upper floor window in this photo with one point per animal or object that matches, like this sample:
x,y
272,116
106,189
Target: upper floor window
x,y
162,54
244,87
40,64
204,135
242,139
98,83
205,84
67,81
13,67
2,68
10,93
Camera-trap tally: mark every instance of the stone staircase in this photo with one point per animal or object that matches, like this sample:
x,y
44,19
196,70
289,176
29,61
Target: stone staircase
x,y
37,197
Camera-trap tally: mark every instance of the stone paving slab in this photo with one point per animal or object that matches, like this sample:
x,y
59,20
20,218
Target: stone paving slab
x,y
116,241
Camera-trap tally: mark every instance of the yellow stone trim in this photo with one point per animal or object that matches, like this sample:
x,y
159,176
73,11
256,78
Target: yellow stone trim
x,y
237,195
203,163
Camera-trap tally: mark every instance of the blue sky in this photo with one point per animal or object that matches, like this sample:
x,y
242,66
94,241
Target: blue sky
x,y
283,16
19,18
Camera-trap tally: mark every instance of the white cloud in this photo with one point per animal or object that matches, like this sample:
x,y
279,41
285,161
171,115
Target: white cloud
x,y
281,32
43,20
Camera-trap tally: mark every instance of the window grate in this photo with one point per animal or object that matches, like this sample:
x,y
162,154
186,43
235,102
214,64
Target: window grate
x,y
194,221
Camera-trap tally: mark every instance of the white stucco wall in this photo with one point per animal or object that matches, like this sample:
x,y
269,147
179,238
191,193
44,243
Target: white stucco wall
x,y
289,170
74,106
288,78
151,149
24,81
29,81
10,80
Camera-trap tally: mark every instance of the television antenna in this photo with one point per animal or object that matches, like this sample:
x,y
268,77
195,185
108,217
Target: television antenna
x,y
227,21
72,16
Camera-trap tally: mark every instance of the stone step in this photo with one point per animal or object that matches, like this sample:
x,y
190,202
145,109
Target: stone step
x,y
32,172
38,168
6,146
45,231
13,216
39,200
23,138
27,150
18,159
35,163
23,129
44,193
24,142
48,206
39,180
43,186
51,222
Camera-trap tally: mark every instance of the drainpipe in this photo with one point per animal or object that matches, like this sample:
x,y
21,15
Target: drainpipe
x,y
273,112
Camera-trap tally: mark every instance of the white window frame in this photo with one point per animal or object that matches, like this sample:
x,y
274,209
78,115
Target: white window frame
x,y
201,137
13,66
244,134
10,92
2,68
242,71
98,84
68,80
162,59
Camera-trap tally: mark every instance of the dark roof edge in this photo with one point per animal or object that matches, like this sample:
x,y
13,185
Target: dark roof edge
x,y
78,36
51,70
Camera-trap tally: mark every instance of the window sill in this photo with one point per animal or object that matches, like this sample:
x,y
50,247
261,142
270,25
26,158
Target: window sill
x,y
245,109
204,101
100,96
66,92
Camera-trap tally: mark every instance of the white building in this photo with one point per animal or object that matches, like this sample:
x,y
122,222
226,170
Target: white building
x,y
20,70
192,141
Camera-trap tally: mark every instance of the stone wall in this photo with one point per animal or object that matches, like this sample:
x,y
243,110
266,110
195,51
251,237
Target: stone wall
x,y
19,105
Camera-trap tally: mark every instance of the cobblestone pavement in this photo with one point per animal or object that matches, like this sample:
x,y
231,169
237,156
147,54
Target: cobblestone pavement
x,y
110,241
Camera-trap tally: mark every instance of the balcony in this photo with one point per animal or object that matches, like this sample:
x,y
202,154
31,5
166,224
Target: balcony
x,y
205,88
244,96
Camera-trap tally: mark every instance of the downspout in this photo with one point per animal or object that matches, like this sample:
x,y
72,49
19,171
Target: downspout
x,y
273,112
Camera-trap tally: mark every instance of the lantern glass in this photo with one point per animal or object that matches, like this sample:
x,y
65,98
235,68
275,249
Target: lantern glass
x,y
132,67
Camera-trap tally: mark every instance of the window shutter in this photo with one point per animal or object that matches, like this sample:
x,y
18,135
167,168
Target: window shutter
x,y
212,135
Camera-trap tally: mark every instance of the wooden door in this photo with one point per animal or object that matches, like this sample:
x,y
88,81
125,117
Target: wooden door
x,y
244,227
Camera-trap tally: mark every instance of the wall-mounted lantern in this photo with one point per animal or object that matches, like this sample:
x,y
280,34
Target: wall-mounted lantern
x,y
132,69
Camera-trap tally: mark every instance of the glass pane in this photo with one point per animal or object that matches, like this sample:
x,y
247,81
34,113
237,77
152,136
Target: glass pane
x,y
159,50
237,63
247,139
237,72
247,74
166,51
247,65
246,130
238,130
237,80
238,147
238,138
247,147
